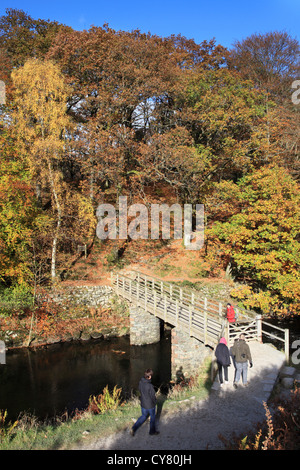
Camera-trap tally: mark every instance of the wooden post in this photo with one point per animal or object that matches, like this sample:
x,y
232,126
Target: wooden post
x,y
259,328
130,291
226,331
82,248
177,312
205,320
190,318
155,302
287,344
138,293
220,310
165,307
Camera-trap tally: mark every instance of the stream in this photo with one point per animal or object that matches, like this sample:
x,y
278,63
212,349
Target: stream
x,y
50,380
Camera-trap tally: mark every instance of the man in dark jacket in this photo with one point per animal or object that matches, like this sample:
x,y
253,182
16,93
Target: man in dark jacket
x,y
223,360
241,352
148,403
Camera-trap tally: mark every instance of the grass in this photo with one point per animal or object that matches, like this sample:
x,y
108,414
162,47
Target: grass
x,y
71,432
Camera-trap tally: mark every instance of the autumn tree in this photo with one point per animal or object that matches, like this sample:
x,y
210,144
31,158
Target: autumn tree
x,y
225,117
41,126
174,160
259,237
271,61
125,85
23,37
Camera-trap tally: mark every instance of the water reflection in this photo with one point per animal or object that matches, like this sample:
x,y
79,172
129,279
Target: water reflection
x,y
61,377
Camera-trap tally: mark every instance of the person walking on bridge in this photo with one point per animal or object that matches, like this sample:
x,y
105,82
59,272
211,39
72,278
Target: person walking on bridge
x,y
241,352
230,313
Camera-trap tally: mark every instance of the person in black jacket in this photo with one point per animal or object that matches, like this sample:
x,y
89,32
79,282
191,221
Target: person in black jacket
x,y
223,360
148,403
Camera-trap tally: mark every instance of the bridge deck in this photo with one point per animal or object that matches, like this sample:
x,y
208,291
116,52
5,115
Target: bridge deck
x,y
202,318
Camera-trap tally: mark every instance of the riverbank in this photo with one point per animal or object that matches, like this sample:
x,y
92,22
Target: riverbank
x,y
189,418
69,432
52,323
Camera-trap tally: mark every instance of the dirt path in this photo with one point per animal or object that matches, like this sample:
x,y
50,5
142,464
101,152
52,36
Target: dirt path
x,y
224,412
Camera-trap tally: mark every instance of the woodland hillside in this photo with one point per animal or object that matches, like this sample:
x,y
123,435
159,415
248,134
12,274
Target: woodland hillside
x,y
93,115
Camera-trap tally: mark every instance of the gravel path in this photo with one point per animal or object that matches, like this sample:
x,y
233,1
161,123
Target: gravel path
x,y
224,412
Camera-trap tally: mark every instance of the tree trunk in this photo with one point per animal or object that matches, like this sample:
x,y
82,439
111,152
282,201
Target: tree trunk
x,y
58,224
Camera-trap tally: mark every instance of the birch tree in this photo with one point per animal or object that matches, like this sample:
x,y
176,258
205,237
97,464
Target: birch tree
x,y
40,124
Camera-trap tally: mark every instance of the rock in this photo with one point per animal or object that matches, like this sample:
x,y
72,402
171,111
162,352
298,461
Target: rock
x,y
96,335
53,339
268,387
287,372
287,382
85,336
67,338
76,335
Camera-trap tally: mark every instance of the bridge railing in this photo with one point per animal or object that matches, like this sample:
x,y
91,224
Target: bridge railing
x,y
187,296
203,318
172,306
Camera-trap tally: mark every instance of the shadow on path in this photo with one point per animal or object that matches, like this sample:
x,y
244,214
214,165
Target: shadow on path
x,y
197,425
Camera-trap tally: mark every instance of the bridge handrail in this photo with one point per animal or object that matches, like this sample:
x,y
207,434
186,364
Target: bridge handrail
x,y
284,340
199,323
180,302
196,315
215,306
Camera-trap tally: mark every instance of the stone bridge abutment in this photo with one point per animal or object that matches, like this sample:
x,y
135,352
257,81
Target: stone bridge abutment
x,y
187,353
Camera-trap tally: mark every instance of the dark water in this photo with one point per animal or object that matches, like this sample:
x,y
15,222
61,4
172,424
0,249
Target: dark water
x,y
48,381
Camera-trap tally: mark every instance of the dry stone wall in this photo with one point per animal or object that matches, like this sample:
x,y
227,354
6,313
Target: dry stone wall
x,y
90,296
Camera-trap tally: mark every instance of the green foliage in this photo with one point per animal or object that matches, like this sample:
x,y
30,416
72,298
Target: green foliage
x,y
105,401
17,213
6,428
15,298
261,238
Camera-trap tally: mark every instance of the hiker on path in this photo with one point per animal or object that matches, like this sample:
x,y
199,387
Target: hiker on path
x,y
241,352
230,313
232,357
223,360
148,403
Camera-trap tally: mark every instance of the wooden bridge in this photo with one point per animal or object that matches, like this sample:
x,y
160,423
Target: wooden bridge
x,y
201,317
